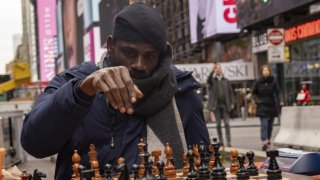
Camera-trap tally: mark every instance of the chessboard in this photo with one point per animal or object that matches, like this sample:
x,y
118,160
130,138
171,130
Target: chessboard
x,y
200,162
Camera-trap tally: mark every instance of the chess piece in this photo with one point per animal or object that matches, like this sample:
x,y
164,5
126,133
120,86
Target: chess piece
x,y
186,166
242,173
122,170
204,171
148,175
273,171
211,161
25,175
161,176
141,147
135,171
156,155
85,173
96,170
234,167
108,172
251,168
169,169
192,174
2,153
37,175
75,167
218,171
92,153
195,149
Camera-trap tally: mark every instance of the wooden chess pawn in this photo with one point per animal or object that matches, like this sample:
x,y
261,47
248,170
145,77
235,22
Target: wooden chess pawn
x,y
273,171
169,169
75,167
156,155
242,173
186,165
234,167
211,161
252,168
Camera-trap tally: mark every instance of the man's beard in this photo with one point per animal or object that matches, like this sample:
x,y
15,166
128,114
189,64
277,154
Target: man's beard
x,y
137,74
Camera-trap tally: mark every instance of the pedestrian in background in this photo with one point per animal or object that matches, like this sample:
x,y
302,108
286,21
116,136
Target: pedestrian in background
x,y
221,101
266,94
303,96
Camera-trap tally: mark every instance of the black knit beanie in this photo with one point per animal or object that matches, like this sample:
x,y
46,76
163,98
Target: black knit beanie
x,y
141,23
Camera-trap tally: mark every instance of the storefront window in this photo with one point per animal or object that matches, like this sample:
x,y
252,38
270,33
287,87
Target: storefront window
x,y
304,68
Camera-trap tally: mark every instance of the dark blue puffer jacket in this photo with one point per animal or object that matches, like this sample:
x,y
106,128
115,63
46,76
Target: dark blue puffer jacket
x,y
62,121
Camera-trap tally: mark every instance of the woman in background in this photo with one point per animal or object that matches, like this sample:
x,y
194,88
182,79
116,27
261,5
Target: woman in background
x,y
267,97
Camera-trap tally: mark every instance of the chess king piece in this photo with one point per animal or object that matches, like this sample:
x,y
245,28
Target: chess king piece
x,y
192,175
75,167
242,173
251,168
204,171
218,171
169,169
273,172
161,176
234,167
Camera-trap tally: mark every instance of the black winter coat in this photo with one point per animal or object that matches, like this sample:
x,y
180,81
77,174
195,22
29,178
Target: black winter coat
x,y
266,94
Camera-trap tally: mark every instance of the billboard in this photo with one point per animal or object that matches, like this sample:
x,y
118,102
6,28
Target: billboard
x,y
47,32
209,18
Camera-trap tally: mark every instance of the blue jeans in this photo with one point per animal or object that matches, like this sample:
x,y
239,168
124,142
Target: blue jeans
x,y
221,112
266,128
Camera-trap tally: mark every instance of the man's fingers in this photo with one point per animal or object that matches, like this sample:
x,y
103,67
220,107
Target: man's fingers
x,y
129,85
138,92
115,92
123,90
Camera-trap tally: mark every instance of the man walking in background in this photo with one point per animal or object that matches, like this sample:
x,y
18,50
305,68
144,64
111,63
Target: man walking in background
x,y
221,101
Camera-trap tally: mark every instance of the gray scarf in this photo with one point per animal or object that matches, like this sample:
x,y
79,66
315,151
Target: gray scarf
x,y
159,108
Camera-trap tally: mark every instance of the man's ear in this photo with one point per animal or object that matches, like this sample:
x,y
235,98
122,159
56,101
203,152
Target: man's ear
x,y
110,43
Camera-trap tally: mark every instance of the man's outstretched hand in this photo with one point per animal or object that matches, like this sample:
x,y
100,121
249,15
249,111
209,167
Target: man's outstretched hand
x,y
116,84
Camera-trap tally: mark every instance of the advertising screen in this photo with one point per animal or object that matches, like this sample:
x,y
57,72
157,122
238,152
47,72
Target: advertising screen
x,y
47,32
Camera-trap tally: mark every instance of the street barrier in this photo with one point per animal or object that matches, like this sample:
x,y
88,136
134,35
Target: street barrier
x,y
300,128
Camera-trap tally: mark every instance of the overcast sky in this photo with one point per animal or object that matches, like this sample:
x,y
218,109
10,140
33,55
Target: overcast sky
x,y
10,23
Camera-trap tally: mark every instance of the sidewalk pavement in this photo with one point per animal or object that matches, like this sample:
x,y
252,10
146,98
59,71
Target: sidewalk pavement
x,y
241,122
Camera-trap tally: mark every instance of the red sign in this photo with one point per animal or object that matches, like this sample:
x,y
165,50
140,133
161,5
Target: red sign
x,y
230,5
275,37
302,31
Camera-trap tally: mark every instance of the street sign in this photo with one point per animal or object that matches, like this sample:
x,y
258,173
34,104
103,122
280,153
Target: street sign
x,y
276,48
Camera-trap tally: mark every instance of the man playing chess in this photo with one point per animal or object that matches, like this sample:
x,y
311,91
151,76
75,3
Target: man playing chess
x,y
134,92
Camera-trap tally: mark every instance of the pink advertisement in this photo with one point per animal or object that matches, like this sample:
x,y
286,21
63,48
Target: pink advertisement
x,y
47,32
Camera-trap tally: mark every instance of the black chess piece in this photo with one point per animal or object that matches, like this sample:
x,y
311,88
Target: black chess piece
x,y
161,176
135,171
192,174
108,171
251,168
123,169
204,171
148,174
242,173
273,171
85,173
37,175
218,171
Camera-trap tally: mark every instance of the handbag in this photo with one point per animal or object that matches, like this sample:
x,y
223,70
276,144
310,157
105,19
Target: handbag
x,y
301,96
